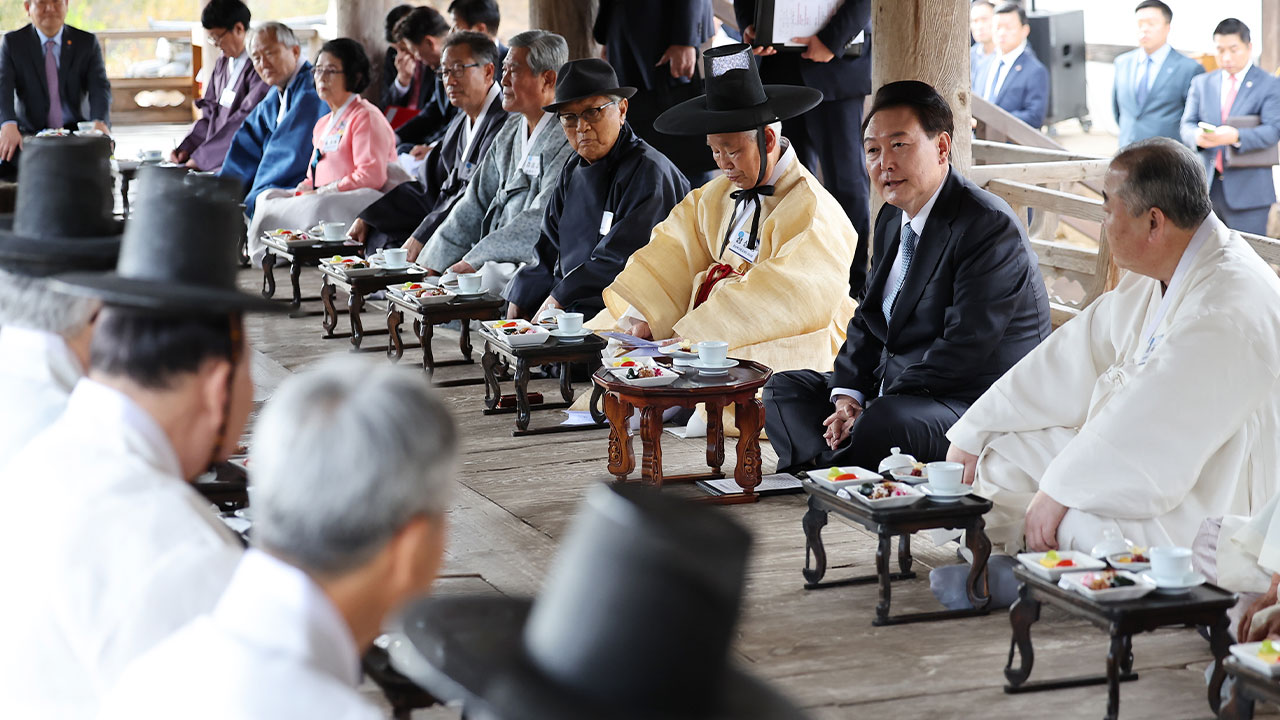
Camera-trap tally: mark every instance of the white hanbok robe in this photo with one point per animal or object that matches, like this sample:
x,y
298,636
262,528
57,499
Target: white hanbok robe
x,y
274,648
37,372
1138,417
106,551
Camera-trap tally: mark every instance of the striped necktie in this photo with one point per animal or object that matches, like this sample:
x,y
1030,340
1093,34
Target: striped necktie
x,y
908,250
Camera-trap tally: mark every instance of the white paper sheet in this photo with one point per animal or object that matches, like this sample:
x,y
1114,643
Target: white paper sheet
x,y
801,18
411,164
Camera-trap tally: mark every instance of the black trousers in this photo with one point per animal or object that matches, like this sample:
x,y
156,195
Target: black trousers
x,y
796,402
394,216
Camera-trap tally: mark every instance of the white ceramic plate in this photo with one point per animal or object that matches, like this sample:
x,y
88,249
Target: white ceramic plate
x,y
674,350
1076,581
1247,653
666,377
350,272
1117,563
638,361
896,501
863,475
1081,561
909,479
942,497
537,337
422,300
706,369
1180,586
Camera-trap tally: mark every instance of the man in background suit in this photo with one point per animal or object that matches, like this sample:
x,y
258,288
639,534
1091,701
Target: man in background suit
x,y
1152,82
1013,77
827,137
399,70
955,298
232,91
421,33
482,16
43,55
1242,196
981,14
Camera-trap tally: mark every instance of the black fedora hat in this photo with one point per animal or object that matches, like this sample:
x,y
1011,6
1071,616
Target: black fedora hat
x,y
580,79
63,218
634,622
736,100
179,252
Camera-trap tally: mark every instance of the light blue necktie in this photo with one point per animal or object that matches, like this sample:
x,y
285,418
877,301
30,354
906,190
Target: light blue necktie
x,y
995,78
1140,93
908,250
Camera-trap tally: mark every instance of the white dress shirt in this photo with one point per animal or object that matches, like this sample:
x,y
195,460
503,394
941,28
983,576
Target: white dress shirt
x,y
527,138
107,551
37,372
895,270
235,65
1004,63
469,126
274,648
1226,86
1157,59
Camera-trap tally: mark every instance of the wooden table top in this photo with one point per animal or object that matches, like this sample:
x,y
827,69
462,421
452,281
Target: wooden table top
x,y
926,509
747,376
320,247
370,283
1197,599
452,307
549,351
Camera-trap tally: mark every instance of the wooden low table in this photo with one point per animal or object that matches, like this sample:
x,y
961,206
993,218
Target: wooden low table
x,y
128,172
1247,688
1205,605
356,289
297,256
553,351
965,514
737,388
426,317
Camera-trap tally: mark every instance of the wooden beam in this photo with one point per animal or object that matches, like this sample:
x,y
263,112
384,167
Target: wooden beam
x,y
1269,36
990,151
999,124
1054,201
1061,256
1042,172
1268,248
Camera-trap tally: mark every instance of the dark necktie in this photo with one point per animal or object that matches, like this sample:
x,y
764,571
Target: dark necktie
x,y
908,250
51,78
1141,91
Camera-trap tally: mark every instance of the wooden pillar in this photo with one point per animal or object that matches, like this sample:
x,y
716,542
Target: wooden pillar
x,y
1269,36
570,18
927,40
363,20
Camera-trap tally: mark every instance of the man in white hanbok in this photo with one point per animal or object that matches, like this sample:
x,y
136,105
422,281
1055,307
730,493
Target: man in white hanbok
x,y
342,537
1156,407
113,549
44,334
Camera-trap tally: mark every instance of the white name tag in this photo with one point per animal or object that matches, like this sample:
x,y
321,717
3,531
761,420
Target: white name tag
x,y
533,166
738,246
228,97
330,143
606,222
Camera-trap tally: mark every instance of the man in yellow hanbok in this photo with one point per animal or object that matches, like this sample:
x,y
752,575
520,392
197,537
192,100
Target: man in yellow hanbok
x,y
758,257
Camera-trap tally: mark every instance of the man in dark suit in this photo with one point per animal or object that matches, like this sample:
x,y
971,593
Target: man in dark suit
x,y
421,33
954,299
827,137
1152,81
482,16
1242,196
1013,77
57,76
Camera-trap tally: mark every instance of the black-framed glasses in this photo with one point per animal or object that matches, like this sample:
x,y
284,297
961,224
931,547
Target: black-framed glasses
x,y
444,72
321,71
216,40
591,115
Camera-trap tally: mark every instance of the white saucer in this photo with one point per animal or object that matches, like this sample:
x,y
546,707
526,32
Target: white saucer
x,y
706,369
677,361
941,497
465,295
1187,582
565,337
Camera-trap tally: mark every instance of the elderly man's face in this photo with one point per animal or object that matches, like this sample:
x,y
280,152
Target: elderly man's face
x,y
524,90
466,87
592,125
737,154
980,23
273,60
1128,235
1009,31
905,164
47,15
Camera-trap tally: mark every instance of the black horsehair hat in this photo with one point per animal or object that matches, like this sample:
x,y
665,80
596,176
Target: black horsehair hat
x,y
736,100
634,622
179,253
580,79
63,219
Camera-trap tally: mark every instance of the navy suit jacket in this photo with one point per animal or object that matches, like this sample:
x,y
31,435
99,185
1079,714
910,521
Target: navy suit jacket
x,y
839,79
973,302
1259,94
635,34
82,79
1160,115
1025,92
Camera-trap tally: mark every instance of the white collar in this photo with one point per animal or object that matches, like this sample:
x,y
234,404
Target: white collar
x,y
1209,226
56,37
918,222
528,138
1009,57
39,355
235,65
469,127
108,411
1158,57
1238,76
336,116
271,604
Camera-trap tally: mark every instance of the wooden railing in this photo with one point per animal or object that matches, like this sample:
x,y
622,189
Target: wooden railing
x,y
151,99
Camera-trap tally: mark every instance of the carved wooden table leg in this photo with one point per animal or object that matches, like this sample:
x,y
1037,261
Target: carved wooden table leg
x,y
883,550
355,306
1220,644
492,390
715,436
904,552
1115,656
522,394
750,421
330,320
295,280
464,339
597,414
815,518
425,331
621,458
566,383
1024,612
1239,707
395,348
651,442
975,538
268,274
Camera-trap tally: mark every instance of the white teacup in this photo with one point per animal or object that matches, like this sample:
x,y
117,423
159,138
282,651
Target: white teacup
x,y
713,352
152,155
946,477
333,230
86,126
470,283
570,323
1170,563
395,258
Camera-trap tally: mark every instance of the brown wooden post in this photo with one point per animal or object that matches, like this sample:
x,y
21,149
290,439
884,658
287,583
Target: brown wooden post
x,y
1269,35
570,18
363,20
927,40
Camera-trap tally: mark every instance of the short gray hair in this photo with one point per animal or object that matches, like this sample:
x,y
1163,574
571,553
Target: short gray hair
x,y
32,303
547,50
344,455
1162,173
282,33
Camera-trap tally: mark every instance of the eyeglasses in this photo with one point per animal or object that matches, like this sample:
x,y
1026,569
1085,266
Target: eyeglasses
x,y
216,40
591,115
456,70
320,72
